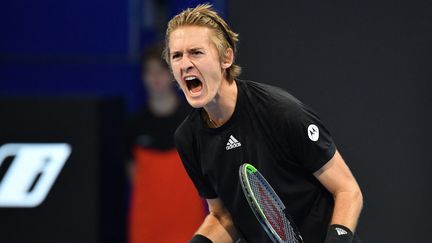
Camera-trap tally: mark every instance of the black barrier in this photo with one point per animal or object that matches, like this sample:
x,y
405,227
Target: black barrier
x,y
61,170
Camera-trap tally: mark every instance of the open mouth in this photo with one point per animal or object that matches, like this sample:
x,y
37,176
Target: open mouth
x,y
194,84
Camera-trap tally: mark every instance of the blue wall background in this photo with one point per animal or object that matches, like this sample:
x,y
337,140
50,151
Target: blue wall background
x,y
82,47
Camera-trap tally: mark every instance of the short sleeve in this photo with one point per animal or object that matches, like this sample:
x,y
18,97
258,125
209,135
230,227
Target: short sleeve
x,y
311,142
184,143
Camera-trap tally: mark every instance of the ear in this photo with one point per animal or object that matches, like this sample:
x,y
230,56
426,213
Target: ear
x,y
229,59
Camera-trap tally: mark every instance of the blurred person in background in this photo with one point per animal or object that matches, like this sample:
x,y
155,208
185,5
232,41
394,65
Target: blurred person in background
x,y
155,168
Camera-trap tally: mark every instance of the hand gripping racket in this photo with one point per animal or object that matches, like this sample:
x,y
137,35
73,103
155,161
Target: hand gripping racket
x,y
267,206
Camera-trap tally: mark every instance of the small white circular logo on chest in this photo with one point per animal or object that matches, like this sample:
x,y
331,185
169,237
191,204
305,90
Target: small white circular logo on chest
x,y
313,132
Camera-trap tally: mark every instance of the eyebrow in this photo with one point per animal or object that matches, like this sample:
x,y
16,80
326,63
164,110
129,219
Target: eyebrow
x,y
189,50
195,49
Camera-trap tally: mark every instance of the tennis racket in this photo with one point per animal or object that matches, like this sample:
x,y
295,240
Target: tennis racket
x,y
267,206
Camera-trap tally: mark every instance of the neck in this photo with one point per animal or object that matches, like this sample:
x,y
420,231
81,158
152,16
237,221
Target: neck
x,y
163,103
221,108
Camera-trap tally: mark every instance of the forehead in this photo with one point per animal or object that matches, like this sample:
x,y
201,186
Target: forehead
x,y
189,37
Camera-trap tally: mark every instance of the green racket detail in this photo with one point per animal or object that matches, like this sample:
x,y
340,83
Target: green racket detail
x,y
267,206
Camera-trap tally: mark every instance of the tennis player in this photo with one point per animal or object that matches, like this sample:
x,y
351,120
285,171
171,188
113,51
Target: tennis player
x,y
236,121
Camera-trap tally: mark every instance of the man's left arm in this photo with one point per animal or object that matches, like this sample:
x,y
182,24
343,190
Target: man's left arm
x,y
338,179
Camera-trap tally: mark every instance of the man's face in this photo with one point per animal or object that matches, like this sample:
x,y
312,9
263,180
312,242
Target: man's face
x,y
196,64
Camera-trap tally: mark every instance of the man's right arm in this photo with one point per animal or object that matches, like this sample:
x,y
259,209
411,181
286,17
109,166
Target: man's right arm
x,y
218,225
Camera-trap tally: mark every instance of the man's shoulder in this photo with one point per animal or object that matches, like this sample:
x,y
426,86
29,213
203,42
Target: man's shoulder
x,y
273,98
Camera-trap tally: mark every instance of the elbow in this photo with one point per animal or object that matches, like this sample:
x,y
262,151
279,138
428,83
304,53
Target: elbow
x,y
358,197
352,196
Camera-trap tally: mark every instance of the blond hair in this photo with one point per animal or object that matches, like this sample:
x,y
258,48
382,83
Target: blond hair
x,y
224,38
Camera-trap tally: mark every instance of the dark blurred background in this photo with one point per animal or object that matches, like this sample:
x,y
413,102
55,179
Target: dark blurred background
x,y
364,66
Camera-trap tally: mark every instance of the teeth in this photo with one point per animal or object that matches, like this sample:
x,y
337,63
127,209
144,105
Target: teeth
x,y
190,78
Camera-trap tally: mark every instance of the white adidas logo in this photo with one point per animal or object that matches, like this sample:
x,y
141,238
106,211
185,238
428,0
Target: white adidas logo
x,y
232,143
341,231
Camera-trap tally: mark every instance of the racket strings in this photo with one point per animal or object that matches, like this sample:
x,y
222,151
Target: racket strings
x,y
272,209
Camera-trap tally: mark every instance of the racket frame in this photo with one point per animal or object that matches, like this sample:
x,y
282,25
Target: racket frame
x,y
256,209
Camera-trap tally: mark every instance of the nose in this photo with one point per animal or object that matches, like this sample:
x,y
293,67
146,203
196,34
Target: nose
x,y
186,64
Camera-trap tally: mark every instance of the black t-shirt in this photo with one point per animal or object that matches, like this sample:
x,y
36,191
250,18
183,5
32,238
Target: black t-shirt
x,y
282,138
147,130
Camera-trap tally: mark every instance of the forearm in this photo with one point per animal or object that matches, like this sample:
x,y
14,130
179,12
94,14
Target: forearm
x,y
337,178
218,230
347,208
